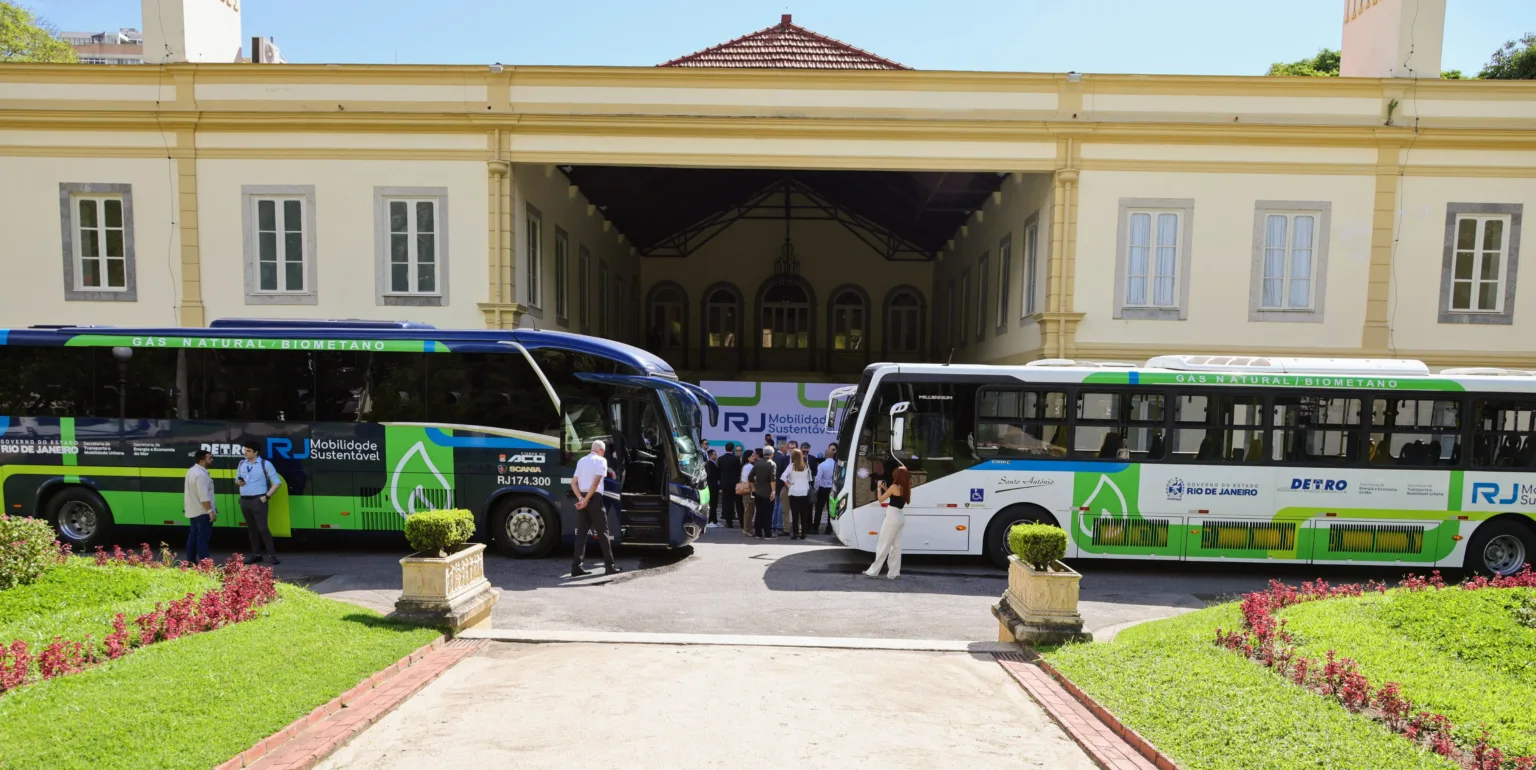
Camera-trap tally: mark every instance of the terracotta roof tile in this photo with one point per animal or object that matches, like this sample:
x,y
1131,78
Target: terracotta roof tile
x,y
786,46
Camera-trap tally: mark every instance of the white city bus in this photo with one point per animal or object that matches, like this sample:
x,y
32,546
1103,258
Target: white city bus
x,y
1200,458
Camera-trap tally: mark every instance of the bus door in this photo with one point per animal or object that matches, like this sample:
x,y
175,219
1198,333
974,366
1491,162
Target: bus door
x,y
640,464
935,447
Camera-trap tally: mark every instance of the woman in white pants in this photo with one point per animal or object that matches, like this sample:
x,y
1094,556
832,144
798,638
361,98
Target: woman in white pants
x,y
896,496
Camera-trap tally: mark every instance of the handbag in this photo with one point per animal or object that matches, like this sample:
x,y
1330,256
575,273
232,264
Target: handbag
x,y
743,487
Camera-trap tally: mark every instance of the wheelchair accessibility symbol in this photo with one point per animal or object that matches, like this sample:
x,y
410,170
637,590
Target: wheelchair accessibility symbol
x,y
978,495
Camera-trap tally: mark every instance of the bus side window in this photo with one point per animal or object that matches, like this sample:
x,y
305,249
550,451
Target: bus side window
x,y
1021,424
1414,432
1218,429
489,389
252,385
369,387
1503,433
45,381
1316,429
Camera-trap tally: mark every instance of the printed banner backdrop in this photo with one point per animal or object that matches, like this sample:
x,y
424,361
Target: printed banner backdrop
x,y
791,411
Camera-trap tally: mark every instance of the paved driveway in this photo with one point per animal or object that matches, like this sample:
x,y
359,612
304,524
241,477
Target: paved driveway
x,y
662,706
727,584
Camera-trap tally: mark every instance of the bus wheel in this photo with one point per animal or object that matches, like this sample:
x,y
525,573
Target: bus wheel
x,y
81,518
525,528
996,541
1500,547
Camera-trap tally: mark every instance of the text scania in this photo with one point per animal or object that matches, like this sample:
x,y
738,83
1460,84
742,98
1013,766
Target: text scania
x,y
1320,485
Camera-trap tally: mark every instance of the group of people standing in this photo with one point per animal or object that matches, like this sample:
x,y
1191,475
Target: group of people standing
x,y
760,485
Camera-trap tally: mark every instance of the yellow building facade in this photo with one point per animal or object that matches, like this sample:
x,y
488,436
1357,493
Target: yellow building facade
x,y
1131,215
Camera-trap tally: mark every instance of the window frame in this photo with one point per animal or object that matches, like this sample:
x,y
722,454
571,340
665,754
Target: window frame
x,y
584,287
1029,305
714,309
602,298
74,291
983,293
533,259
1004,281
382,197
562,276
1510,267
1185,209
951,308
891,309
1262,210
965,308
251,197
837,310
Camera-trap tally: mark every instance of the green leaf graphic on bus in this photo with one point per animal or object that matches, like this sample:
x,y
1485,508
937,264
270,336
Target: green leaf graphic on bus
x,y
420,472
1106,495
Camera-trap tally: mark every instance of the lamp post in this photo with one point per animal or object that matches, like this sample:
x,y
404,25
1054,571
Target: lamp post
x,y
123,356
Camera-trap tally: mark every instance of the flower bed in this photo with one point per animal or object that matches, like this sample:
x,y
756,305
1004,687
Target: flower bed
x,y
242,590
1267,638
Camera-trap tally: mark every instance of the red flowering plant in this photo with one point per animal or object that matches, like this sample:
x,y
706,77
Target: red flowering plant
x,y
243,590
1263,638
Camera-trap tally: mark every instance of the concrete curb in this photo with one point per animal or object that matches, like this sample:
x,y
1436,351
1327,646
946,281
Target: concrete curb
x,y
1142,745
734,640
1107,740
309,739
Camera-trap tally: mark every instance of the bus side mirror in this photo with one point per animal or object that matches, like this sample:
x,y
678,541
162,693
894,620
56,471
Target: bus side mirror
x,y
899,426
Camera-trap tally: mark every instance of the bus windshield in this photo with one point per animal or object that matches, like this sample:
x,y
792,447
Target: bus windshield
x,y
685,433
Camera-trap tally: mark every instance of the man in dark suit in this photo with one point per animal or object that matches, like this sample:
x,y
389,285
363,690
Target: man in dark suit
x,y
727,473
712,474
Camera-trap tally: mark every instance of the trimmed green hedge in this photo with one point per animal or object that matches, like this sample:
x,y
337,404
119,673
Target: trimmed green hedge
x,y
1037,544
438,531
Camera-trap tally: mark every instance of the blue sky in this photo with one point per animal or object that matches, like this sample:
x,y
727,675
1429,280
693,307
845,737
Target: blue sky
x,y
1207,37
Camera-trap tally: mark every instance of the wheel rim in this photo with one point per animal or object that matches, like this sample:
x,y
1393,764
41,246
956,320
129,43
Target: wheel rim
x,y
1504,555
525,527
77,520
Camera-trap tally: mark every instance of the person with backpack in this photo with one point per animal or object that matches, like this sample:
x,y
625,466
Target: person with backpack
x,y
258,482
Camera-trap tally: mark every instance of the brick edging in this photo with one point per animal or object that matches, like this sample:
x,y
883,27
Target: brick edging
x,y
365,697
1136,741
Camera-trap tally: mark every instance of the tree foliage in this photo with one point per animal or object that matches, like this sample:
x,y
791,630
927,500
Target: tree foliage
x,y
1515,61
26,38
1324,65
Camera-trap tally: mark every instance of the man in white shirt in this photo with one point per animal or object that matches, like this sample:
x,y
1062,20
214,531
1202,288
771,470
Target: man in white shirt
x,y
591,510
198,506
824,474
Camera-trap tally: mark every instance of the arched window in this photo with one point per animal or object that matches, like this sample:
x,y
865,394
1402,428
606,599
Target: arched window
x,y
722,318
904,321
666,321
786,318
849,321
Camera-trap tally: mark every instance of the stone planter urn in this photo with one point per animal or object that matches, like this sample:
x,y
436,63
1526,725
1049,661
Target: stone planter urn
x,y
446,591
1040,606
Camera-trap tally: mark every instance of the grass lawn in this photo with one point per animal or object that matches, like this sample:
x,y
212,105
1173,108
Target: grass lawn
x,y
199,700
79,598
1208,708
1464,654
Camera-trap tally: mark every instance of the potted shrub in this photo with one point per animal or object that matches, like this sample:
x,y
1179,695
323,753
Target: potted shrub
x,y
1040,605
444,580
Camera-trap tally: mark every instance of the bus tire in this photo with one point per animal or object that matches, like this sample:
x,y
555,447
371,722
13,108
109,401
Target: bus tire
x,y
81,518
1500,546
525,527
996,541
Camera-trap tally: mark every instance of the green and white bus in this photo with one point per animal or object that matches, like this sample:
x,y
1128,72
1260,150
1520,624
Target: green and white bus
x,y
367,422
1201,458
